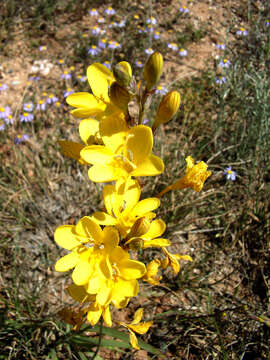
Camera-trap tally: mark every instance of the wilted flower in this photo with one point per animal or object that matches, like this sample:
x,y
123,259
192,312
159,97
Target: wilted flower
x,y
230,174
182,52
20,139
26,117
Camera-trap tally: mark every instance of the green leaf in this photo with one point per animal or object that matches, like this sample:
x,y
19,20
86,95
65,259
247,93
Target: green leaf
x,y
52,355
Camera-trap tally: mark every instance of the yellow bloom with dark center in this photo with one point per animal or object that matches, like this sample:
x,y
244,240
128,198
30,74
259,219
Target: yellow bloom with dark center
x,y
194,178
136,327
126,152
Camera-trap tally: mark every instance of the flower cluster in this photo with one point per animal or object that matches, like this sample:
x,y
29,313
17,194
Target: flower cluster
x,y
105,247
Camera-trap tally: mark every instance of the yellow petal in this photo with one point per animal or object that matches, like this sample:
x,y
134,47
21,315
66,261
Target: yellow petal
x,y
113,132
139,143
108,198
67,262
157,228
82,273
133,340
131,269
82,100
100,78
107,316
124,289
132,194
72,150
137,316
102,173
88,129
83,113
103,218
104,296
111,238
65,237
94,314
79,293
89,229
145,206
159,242
141,328
96,154
151,166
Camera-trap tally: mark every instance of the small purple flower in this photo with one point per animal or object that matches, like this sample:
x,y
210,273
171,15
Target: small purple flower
x,y
93,50
139,64
230,174
156,35
28,107
102,43
173,46
26,117
220,80
41,105
145,121
66,75
114,45
93,12
43,48
221,46
149,51
161,90
109,11
9,120
2,125
182,52
3,87
183,10
242,32
267,23
51,99
107,64
149,28
151,20
95,30
122,24
34,78
82,78
5,112
20,139
224,63
68,92
101,20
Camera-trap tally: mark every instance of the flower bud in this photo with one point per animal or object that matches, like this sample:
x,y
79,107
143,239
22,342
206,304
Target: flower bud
x,y
153,70
123,73
119,96
139,228
167,108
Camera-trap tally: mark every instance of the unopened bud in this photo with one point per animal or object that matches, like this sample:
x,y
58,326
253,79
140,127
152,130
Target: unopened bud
x,y
153,70
167,108
119,96
135,244
123,73
139,228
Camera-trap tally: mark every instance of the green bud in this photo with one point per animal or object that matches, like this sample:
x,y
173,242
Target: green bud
x,y
123,73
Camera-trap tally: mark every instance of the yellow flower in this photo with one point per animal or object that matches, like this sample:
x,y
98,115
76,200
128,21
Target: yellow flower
x,y
151,272
126,152
124,208
138,327
89,133
172,260
99,78
194,178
